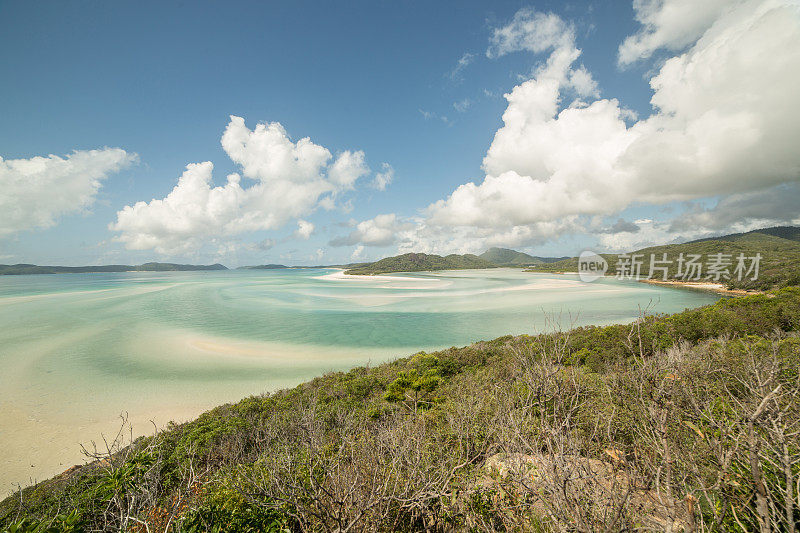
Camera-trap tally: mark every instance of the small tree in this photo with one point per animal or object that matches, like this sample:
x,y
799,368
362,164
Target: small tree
x,y
414,389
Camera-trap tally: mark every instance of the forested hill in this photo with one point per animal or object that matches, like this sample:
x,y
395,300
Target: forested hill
x,y
145,267
506,257
779,248
422,262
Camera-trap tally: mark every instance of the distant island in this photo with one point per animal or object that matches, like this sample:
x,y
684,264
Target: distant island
x,y
416,262
22,268
263,267
412,262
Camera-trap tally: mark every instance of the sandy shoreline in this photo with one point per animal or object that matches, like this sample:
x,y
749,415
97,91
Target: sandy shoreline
x,y
339,275
703,286
709,286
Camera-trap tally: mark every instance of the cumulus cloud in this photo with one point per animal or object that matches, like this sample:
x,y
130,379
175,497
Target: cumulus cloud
x,y
347,168
36,192
669,24
290,180
383,178
379,231
725,122
532,31
304,229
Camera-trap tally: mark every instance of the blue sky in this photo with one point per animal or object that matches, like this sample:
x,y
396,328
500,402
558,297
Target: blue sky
x,y
160,81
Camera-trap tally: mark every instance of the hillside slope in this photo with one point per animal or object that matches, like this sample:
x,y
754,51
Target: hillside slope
x,y
422,262
506,257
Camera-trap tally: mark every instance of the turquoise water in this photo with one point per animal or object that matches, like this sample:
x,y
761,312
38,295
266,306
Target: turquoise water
x,y
79,349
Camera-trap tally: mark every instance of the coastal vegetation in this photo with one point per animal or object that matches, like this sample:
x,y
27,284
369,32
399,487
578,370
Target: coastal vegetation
x,y
684,422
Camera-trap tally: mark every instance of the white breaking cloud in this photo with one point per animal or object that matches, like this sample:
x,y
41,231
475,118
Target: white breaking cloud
x,y
291,180
36,192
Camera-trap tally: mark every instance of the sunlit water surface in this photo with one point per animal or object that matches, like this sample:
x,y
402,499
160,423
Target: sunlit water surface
x,y
76,350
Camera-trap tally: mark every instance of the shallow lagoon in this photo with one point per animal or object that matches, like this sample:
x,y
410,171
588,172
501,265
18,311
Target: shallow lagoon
x,y
79,349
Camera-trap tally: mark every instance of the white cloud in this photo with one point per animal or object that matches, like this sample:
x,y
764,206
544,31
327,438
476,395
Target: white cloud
x,y
427,237
427,115
36,192
726,122
347,168
383,178
304,229
532,31
669,24
357,252
291,180
379,231
457,73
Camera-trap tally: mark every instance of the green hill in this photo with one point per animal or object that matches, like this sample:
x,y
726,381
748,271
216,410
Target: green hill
x,y
22,268
609,427
506,257
422,262
779,266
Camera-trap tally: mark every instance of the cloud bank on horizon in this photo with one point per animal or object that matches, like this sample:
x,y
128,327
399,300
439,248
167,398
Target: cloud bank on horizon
x,y
721,142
